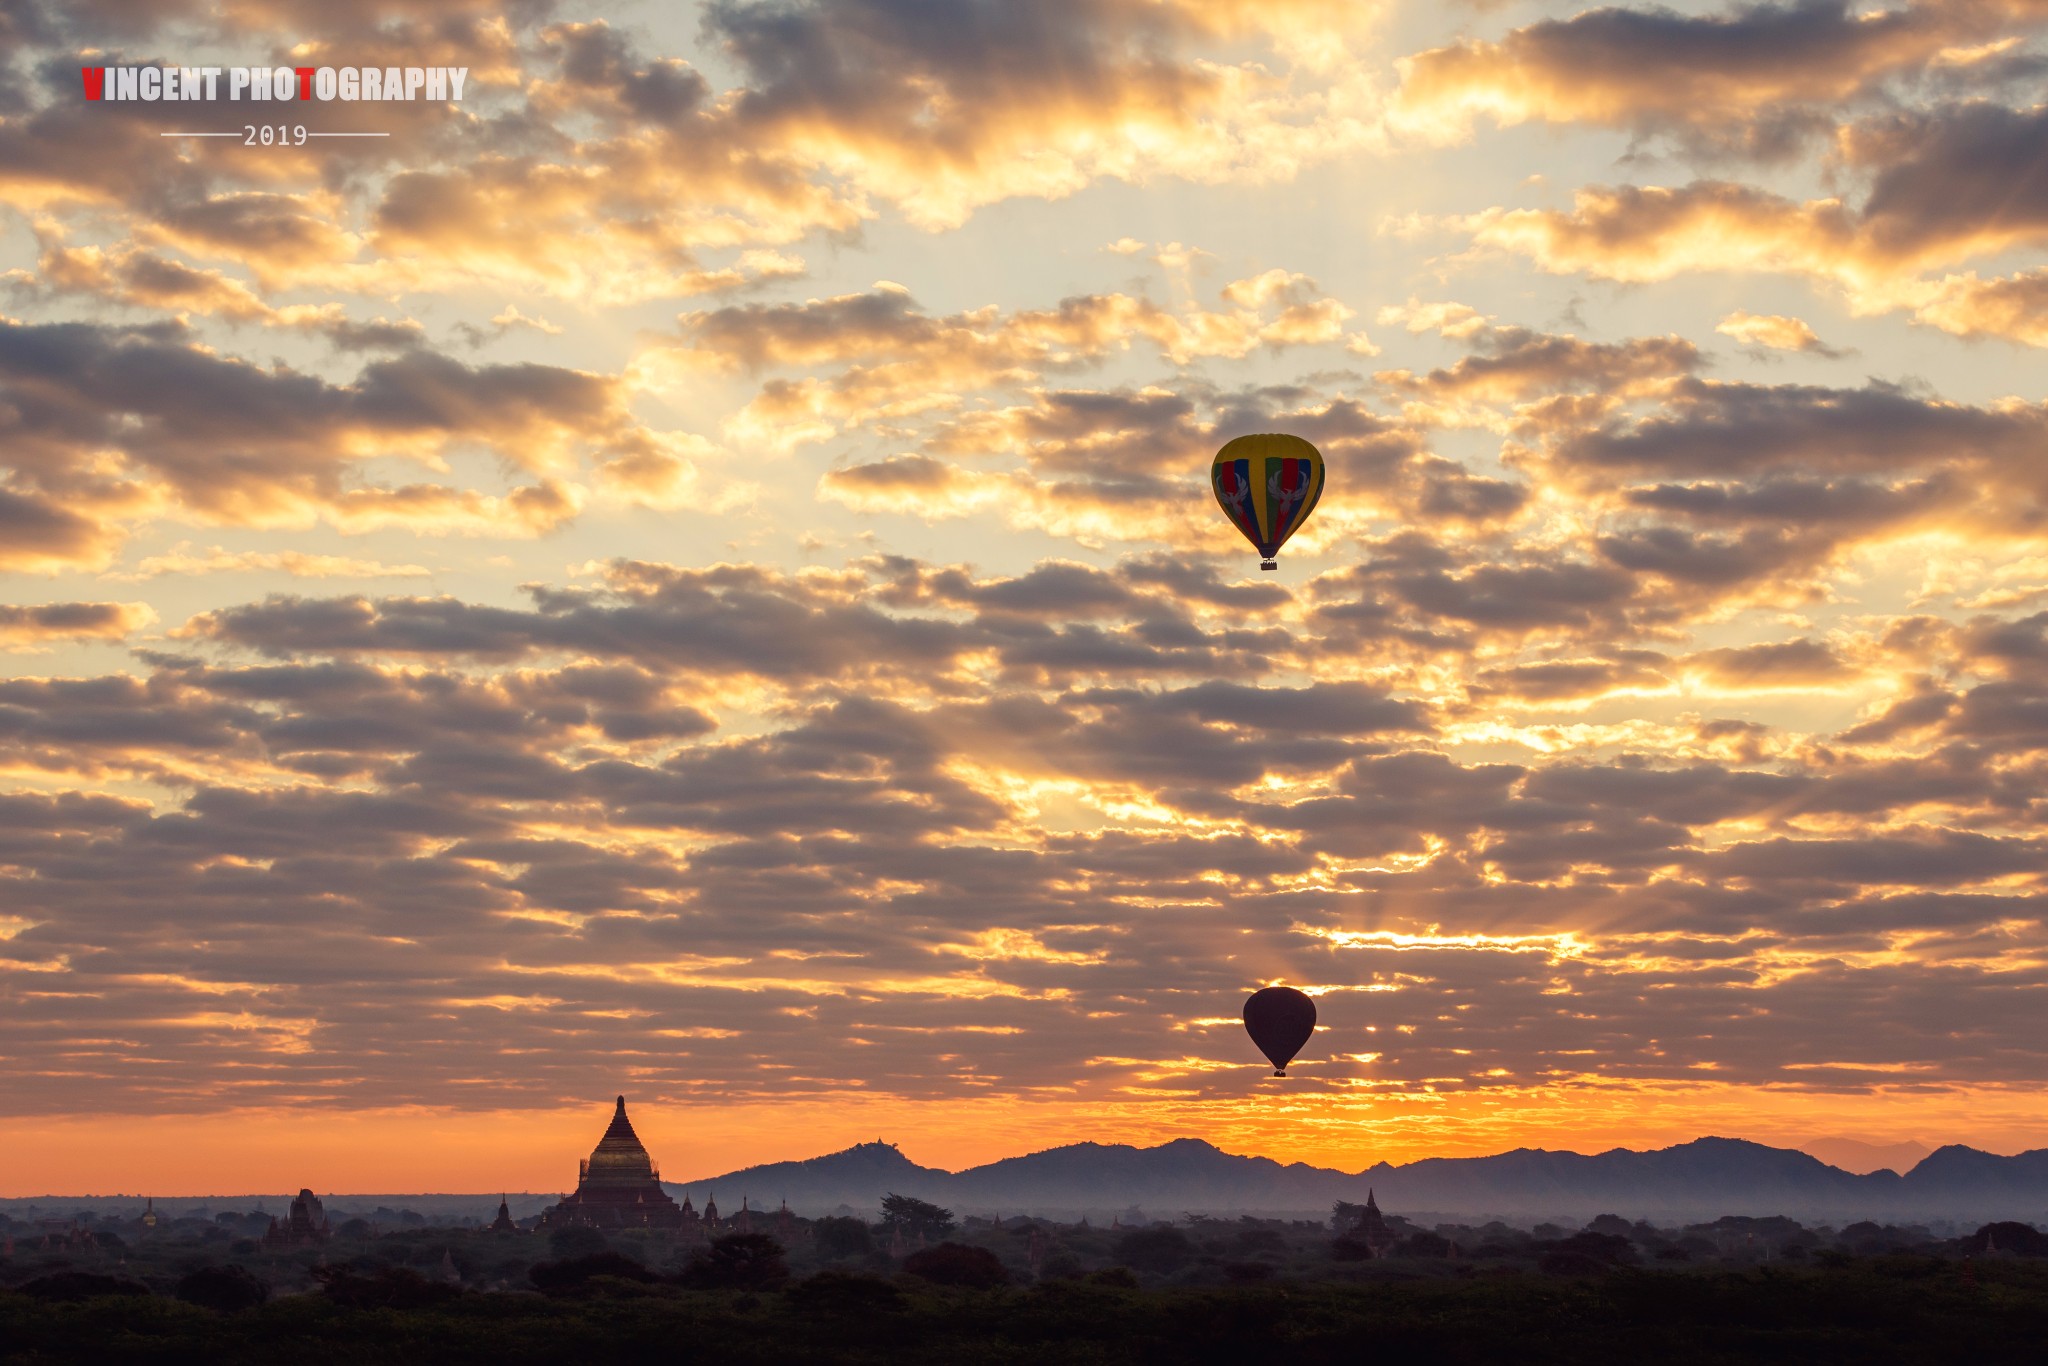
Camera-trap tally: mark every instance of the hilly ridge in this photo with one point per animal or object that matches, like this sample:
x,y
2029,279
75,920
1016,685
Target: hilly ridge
x,y
1703,1179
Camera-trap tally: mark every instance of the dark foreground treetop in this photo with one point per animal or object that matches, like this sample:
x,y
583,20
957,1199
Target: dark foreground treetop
x,y
1898,1309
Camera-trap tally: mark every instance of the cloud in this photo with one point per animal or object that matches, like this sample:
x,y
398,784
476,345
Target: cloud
x,y
1511,364
575,146
764,627
1775,332
1787,664
1116,466
489,192
42,536
73,621
1711,428
1967,179
988,345
957,815
896,361
1574,681
1754,79
941,111
2014,307
136,278
104,423
1697,489
1637,234
1946,185
281,237
647,208
183,560
1451,319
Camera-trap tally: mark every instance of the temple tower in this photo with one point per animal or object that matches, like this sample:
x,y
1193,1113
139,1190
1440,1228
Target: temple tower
x,y
1373,1230
617,1186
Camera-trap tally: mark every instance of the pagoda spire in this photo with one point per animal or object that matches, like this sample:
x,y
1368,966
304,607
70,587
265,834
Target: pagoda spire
x,y
621,1127
1372,1227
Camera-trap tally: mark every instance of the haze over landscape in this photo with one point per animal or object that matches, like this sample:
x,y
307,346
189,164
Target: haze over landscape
x,y
690,571
1701,1180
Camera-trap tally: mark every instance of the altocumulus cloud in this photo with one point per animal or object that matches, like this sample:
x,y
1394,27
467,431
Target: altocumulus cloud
x,y
698,572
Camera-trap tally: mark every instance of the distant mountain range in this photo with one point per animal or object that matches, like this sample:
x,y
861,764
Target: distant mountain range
x,y
1703,1179
1852,1156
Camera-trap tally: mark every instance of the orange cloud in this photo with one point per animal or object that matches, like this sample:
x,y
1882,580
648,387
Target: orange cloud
x,y
142,419
1772,330
2014,307
1946,185
73,621
1721,75
900,361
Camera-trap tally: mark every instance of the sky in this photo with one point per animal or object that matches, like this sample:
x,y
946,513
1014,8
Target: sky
x,y
689,572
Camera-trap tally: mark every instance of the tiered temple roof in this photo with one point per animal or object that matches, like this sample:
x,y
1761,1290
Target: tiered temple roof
x,y
307,1223
617,1186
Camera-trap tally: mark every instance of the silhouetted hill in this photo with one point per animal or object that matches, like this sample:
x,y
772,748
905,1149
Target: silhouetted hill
x,y
1703,1179
1853,1156
1728,1175
1186,1173
865,1172
1958,1175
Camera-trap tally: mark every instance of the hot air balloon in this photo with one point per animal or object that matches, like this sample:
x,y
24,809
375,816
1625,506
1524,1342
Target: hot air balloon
x,y
1267,485
1279,1019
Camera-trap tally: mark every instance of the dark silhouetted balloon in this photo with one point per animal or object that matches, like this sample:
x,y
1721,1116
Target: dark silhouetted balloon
x,y
1267,485
1279,1019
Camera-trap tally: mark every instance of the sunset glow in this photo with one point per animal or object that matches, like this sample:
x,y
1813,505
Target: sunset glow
x,y
690,571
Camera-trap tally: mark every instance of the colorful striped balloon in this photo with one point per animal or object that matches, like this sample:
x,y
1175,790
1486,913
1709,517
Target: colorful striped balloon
x,y
1267,486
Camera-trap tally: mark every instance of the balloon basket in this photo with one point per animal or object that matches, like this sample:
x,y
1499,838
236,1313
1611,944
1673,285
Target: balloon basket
x,y
1279,1071
1269,564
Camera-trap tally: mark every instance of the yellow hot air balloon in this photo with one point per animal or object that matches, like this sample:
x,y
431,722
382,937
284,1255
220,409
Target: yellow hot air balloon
x,y
1267,485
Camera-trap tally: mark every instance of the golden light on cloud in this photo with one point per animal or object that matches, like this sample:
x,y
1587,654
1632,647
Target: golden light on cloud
x,y
692,567
26,626
1771,330
1019,945
183,559
1568,945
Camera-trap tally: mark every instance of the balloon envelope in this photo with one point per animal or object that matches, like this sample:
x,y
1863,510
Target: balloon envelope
x,y
1267,486
1280,1020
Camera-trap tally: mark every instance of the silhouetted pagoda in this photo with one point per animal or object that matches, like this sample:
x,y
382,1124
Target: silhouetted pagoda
x,y
617,1186
1372,1228
307,1223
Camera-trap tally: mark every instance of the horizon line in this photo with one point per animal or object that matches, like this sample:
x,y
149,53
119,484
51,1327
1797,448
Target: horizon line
x,y
1932,1150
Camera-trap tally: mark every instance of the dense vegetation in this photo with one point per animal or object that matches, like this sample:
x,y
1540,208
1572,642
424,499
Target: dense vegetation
x,y
1886,1310
1196,1290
